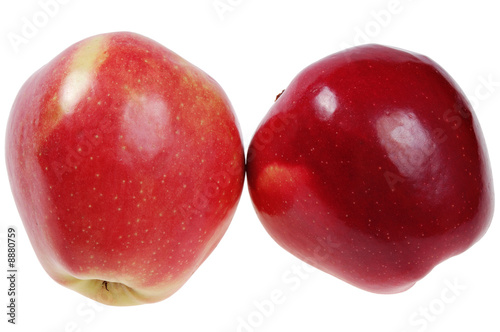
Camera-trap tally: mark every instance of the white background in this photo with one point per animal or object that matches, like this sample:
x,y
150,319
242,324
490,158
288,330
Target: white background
x,y
253,49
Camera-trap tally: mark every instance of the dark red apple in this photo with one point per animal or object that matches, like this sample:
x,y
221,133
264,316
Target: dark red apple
x,y
126,164
372,167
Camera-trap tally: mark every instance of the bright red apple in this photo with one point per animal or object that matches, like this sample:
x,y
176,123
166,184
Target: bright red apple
x,y
372,167
126,164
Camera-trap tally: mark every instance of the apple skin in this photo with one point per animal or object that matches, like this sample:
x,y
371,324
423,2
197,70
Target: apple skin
x,y
372,167
126,164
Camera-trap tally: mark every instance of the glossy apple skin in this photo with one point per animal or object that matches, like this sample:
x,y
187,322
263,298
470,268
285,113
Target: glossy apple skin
x,y
371,166
126,164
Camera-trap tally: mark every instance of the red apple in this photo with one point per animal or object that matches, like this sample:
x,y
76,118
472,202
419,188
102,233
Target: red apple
x,y
126,164
372,167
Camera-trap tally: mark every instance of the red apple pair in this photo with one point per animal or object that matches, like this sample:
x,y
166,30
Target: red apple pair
x,y
126,164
